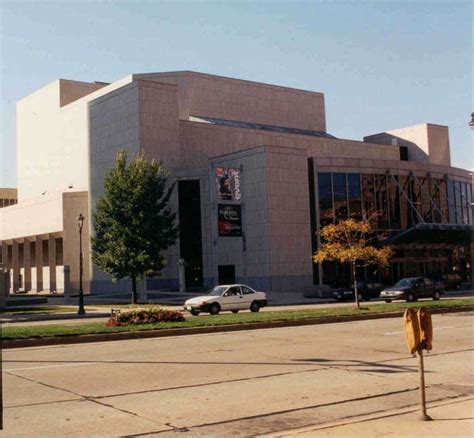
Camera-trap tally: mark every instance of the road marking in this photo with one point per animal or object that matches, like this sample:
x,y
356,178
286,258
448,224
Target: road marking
x,y
51,366
435,329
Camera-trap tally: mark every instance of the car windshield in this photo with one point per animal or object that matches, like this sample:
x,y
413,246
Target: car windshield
x,y
217,291
405,282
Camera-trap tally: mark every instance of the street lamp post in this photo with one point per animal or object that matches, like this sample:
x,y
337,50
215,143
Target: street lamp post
x,y
80,222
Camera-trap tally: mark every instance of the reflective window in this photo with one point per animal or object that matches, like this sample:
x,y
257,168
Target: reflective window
x,y
340,195
436,197
425,199
353,188
415,193
470,206
326,213
246,290
405,209
459,209
381,199
451,202
368,194
394,202
465,209
443,198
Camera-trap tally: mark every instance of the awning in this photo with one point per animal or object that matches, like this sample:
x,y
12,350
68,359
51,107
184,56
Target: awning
x,y
434,233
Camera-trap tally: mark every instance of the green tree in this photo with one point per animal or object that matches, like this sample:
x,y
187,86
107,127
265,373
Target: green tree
x,y
349,241
133,220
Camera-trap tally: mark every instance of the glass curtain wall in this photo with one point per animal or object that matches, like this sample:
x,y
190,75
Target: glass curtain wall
x,y
394,198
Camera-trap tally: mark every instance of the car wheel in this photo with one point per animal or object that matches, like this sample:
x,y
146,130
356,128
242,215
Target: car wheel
x,y
254,307
194,312
360,297
436,296
235,311
388,301
214,309
410,298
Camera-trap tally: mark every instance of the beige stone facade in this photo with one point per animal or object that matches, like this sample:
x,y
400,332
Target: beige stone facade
x,y
69,133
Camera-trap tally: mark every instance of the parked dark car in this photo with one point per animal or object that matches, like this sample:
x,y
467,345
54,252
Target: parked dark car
x,y
451,281
366,292
410,289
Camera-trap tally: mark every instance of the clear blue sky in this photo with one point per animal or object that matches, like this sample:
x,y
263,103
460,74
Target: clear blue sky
x,y
381,64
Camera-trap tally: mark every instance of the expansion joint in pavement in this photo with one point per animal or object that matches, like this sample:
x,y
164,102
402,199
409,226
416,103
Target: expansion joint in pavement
x,y
368,417
81,397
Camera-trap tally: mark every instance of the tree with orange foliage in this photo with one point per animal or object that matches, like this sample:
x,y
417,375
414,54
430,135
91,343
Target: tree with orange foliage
x,y
349,241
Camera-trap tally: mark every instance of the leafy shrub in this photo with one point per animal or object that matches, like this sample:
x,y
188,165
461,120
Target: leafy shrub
x,y
144,316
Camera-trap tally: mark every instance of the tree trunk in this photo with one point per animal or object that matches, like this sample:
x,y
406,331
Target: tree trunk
x,y
134,289
356,292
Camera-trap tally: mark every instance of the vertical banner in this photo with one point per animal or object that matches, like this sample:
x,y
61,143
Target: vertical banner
x,y
229,217
228,184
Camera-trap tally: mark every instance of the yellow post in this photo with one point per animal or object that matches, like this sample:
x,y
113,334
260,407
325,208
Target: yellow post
x,y
419,337
421,373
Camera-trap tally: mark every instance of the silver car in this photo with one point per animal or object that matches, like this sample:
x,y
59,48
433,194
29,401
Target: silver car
x,y
233,297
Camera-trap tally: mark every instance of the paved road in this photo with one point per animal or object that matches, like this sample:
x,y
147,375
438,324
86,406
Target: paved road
x,y
310,381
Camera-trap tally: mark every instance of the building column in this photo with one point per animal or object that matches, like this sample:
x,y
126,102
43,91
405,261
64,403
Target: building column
x,y
4,276
52,262
39,264
27,263
15,266
5,254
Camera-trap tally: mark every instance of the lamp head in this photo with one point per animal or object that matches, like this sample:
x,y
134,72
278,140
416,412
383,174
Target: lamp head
x,y
80,220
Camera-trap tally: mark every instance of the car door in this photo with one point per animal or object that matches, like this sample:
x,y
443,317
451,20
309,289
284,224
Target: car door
x,y
226,300
429,288
248,295
420,289
231,300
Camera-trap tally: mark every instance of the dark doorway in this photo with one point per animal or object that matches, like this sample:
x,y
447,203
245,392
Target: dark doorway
x,y
226,274
190,243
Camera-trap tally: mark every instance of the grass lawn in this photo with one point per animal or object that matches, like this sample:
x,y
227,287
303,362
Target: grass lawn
x,y
224,319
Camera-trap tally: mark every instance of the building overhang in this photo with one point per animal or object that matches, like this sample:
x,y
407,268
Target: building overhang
x,y
434,233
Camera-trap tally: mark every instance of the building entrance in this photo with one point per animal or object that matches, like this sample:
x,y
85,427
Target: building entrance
x,y
226,274
190,242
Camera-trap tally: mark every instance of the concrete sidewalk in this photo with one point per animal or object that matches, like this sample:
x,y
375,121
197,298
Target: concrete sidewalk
x,y
453,418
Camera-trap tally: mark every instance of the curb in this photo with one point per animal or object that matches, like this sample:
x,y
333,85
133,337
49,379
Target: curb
x,y
104,337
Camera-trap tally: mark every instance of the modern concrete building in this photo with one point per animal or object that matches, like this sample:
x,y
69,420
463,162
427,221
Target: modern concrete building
x,y
258,175
8,197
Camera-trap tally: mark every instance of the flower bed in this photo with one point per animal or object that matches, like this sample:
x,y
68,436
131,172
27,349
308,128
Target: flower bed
x,y
144,316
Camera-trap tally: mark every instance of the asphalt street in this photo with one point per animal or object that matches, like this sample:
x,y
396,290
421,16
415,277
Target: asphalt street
x,y
347,379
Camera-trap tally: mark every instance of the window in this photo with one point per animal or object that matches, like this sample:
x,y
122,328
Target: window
x,y
326,214
394,202
457,190
381,200
451,202
368,195
405,208
425,199
233,291
470,206
340,195
246,290
464,203
353,189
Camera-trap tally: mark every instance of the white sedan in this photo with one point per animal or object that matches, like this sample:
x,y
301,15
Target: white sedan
x,y
233,297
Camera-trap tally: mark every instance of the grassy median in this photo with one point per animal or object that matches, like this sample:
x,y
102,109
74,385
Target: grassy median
x,y
87,328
